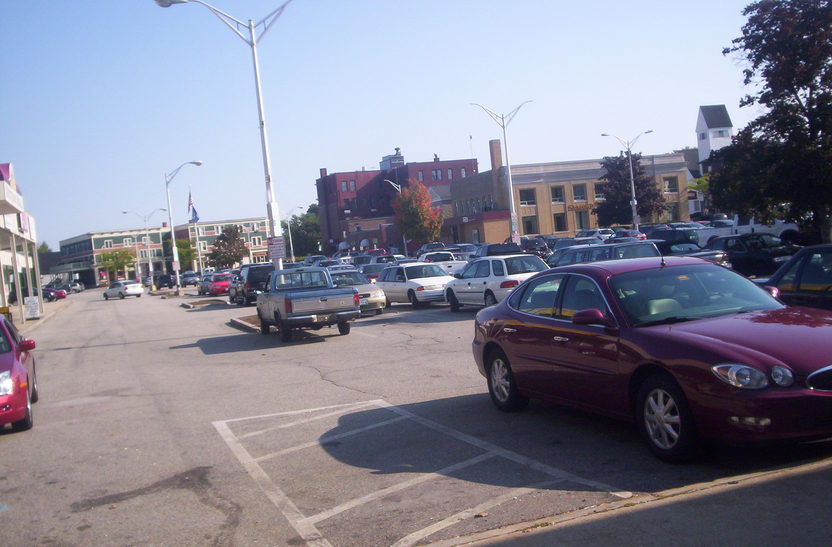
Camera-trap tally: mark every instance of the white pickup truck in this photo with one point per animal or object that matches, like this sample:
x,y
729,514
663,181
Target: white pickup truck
x,y
306,298
783,230
445,260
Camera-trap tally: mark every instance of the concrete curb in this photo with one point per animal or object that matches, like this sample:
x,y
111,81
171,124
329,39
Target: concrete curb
x,y
244,325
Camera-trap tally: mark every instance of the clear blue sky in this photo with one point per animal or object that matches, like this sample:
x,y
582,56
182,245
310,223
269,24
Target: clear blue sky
x,y
99,99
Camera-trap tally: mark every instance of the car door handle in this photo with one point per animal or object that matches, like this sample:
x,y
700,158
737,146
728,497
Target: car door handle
x,y
509,329
560,339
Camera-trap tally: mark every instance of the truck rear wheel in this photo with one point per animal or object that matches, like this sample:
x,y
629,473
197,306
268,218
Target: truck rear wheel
x,y
264,327
343,328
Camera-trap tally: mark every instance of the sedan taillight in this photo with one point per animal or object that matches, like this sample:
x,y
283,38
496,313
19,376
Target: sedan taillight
x,y
509,284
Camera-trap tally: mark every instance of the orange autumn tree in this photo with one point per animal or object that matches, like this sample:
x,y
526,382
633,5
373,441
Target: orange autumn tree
x,y
414,215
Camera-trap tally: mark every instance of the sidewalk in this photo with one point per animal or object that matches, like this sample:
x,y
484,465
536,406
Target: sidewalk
x,y
49,310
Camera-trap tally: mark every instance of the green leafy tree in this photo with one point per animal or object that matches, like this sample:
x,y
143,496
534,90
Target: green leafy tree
x,y
616,208
114,262
44,248
778,166
186,251
229,248
414,214
306,232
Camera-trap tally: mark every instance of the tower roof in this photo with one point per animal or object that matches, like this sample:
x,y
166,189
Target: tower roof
x,y
716,116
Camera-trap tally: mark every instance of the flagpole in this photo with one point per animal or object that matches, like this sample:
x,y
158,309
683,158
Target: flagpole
x,y
194,219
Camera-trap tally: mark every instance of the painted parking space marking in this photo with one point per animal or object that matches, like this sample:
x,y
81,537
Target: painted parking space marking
x,y
306,524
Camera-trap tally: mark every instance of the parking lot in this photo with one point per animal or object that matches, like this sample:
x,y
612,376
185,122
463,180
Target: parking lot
x,y
382,437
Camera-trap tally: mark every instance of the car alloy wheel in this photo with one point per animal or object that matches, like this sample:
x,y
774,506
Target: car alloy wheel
x,y
664,419
453,301
501,385
490,300
413,300
28,421
121,295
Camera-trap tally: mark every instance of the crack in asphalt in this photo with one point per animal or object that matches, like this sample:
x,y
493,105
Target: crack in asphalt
x,y
196,480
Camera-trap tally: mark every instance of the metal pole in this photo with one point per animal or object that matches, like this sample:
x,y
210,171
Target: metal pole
x,y
632,189
174,250
515,233
272,208
291,245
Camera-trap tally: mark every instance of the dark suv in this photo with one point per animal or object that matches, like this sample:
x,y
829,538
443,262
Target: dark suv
x,y
492,249
165,280
250,282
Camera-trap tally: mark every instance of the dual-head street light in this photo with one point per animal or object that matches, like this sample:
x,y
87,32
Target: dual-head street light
x,y
168,179
629,145
251,38
147,245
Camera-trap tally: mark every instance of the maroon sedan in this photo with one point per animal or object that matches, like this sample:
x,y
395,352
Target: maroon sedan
x,y
18,384
681,346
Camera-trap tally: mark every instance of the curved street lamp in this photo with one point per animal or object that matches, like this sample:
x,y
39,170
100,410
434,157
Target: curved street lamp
x,y
145,218
503,120
168,178
236,25
629,145
398,188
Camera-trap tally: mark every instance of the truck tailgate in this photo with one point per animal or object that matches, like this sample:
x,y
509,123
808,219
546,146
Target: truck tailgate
x,y
322,303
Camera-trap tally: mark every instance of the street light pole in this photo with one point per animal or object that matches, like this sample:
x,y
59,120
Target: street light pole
x,y
503,120
289,231
145,218
398,188
236,25
168,178
629,146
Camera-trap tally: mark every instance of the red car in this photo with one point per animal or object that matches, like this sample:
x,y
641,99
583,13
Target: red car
x,y
219,283
681,346
18,382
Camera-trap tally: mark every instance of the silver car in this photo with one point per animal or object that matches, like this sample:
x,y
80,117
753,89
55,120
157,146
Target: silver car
x,y
120,289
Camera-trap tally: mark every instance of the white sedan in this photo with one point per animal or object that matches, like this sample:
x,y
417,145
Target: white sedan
x,y
120,289
415,282
486,281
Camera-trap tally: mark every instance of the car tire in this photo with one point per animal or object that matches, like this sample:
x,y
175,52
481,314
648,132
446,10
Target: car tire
x,y
285,332
264,327
35,393
240,300
501,385
121,295
411,296
490,299
454,303
343,328
665,420
28,421
138,296
106,296
387,303
379,311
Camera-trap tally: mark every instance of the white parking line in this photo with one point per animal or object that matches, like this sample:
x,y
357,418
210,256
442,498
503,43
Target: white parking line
x,y
305,525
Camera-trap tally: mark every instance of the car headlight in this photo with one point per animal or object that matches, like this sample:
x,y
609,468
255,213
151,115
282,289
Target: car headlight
x,y
6,383
782,376
741,376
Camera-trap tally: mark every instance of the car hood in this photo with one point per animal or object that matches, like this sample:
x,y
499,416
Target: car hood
x,y
798,337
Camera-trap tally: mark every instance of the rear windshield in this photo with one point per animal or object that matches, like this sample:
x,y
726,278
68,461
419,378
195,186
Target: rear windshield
x,y
525,264
300,280
221,277
636,251
259,274
373,268
430,270
348,279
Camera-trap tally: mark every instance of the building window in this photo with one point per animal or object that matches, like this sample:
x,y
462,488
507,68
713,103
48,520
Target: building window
x,y
256,241
581,220
203,246
436,174
530,225
527,197
145,240
421,176
343,186
200,230
703,136
579,192
462,173
352,186
720,133
108,243
599,191
560,222
255,226
557,194
671,184
450,174
218,229
128,242
673,212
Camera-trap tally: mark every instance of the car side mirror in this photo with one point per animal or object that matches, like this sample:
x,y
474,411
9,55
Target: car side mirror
x,y
591,316
27,345
773,291
458,276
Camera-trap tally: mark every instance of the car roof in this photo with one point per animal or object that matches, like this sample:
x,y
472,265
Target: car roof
x,y
625,265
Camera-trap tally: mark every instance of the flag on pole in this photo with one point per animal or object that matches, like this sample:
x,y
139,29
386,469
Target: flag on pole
x,y
191,208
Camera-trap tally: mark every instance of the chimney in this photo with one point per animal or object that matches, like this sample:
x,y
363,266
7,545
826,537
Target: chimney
x,y
496,154
323,172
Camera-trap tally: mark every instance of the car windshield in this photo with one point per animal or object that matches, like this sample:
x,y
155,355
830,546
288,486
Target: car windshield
x,y
766,241
221,277
259,274
683,293
347,279
524,264
301,280
428,270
